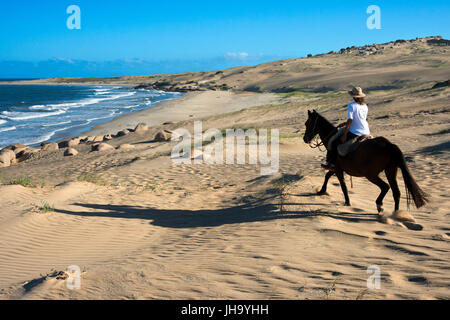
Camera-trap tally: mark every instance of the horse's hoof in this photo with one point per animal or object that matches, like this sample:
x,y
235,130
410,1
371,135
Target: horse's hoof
x,y
347,204
380,209
322,193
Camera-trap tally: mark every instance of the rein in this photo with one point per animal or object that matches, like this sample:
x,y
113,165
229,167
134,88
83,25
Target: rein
x,y
315,143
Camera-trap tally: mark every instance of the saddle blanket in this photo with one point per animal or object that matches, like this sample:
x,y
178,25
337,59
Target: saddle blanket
x,y
348,147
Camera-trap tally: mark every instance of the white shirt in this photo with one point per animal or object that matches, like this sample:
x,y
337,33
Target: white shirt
x,y
358,113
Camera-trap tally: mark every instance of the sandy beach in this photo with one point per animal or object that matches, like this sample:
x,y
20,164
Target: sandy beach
x,y
140,227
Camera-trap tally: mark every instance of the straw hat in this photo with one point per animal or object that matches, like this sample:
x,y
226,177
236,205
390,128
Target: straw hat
x,y
357,92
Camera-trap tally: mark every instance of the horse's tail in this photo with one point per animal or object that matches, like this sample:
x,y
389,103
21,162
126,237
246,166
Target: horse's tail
x,y
413,190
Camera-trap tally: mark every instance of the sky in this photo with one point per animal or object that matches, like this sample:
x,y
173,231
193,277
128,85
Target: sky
x,y
149,37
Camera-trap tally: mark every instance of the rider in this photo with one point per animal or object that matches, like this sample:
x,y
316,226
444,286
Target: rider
x,y
356,125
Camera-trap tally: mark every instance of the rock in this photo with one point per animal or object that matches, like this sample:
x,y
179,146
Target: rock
x,y
126,146
98,139
89,139
73,142
27,154
439,42
18,150
123,133
63,144
70,152
15,147
107,137
7,157
102,147
141,127
82,138
163,135
50,147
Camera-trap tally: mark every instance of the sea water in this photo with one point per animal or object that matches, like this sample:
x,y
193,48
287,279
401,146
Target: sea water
x,y
31,114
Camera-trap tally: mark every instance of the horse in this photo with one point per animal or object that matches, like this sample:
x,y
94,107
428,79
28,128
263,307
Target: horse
x,y
370,158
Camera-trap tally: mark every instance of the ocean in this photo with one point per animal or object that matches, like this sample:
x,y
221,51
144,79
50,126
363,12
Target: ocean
x,y
31,114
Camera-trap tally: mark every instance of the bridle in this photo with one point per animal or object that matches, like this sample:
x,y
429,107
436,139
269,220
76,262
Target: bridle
x,y
317,142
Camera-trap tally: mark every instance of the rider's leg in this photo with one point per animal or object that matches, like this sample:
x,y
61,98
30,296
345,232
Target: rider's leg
x,y
331,155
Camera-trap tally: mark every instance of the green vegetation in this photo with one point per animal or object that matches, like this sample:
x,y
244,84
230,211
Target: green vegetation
x,y
295,93
91,178
46,207
152,187
26,182
290,136
441,65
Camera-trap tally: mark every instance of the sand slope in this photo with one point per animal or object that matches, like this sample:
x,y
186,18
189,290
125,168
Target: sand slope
x,y
140,227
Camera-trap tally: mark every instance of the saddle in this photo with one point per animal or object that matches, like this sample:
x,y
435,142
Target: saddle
x,y
350,146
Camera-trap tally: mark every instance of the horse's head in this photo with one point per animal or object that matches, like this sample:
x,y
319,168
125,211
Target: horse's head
x,y
312,128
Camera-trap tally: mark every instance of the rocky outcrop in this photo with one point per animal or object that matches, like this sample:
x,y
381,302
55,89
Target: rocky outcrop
x,y
73,142
126,146
123,133
163,135
439,42
48,147
70,152
102,147
141,128
7,157
26,154
184,86
375,48
88,139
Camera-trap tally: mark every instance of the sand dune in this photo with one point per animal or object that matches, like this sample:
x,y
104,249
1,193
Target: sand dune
x,y
140,227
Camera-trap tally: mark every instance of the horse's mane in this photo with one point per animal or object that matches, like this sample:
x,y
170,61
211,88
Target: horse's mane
x,y
328,123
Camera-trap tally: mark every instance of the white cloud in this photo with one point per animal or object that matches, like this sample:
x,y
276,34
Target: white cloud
x,y
237,55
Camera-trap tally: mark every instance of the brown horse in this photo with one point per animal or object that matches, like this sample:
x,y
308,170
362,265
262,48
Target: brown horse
x,y
371,157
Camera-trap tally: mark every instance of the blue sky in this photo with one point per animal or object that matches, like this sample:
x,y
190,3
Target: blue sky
x,y
145,37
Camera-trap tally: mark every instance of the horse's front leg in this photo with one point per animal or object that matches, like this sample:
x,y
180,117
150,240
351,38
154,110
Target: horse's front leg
x,y
340,176
325,183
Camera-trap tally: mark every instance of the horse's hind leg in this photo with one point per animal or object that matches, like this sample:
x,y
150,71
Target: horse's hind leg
x,y
340,176
324,186
384,189
391,175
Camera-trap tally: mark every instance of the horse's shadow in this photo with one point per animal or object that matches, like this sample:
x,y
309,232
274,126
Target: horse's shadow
x,y
183,218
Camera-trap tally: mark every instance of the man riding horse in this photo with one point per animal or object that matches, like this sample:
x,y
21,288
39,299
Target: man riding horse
x,y
370,158
356,125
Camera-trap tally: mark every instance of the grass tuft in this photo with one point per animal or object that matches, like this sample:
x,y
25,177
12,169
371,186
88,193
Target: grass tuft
x,y
91,178
26,182
46,207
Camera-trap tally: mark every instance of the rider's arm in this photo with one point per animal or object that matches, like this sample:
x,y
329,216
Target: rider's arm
x,y
347,128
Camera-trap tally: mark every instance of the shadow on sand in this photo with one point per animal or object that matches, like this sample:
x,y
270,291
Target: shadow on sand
x,y
179,218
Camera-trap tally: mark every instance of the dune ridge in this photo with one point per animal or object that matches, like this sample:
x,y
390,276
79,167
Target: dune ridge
x,y
140,227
